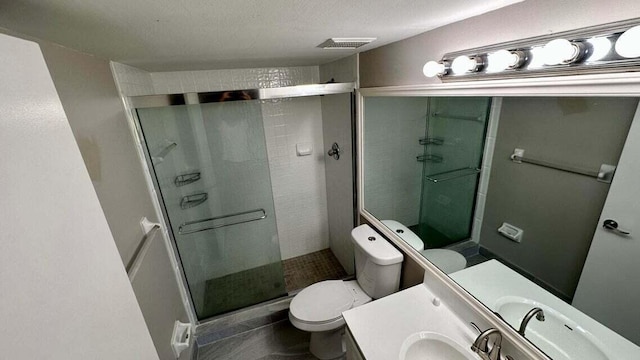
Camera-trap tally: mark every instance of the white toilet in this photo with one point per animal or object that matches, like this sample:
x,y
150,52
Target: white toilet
x,y
318,308
448,261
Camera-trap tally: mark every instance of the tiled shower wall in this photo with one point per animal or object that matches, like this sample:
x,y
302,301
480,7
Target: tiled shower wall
x,y
298,182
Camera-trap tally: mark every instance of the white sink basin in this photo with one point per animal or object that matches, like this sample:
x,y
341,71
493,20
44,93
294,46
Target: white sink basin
x,y
558,336
428,345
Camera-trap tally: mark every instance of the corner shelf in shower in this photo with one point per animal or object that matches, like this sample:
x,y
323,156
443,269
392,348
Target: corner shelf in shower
x,y
186,179
433,158
458,117
190,201
431,141
453,174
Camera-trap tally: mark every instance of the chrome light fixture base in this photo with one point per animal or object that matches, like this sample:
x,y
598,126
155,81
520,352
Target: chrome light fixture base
x,y
583,51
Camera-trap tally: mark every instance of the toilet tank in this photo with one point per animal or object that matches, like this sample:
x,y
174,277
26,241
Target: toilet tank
x,y
378,263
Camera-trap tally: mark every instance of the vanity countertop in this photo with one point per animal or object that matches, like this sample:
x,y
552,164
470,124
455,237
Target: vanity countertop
x,y
492,280
381,326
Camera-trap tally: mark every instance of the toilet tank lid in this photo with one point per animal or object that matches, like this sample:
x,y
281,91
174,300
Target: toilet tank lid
x,y
407,235
379,250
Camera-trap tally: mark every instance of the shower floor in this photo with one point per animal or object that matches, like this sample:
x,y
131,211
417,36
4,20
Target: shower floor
x,y
242,289
302,271
246,288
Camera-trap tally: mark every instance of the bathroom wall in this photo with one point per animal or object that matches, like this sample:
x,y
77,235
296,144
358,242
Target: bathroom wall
x,y
343,70
558,211
95,112
65,292
401,63
132,81
337,123
92,104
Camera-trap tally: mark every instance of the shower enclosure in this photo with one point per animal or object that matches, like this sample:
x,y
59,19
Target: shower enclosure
x,y
422,161
453,146
209,163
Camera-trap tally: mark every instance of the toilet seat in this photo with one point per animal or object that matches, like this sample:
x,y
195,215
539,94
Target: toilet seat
x,y
446,260
319,307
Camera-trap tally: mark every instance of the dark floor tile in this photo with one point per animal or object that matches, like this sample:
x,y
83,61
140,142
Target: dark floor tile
x,y
302,271
475,260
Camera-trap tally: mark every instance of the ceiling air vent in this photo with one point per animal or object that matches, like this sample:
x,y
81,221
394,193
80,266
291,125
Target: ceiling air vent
x,y
345,43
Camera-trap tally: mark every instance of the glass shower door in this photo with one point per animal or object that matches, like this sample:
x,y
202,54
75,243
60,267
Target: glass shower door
x,y
210,163
453,147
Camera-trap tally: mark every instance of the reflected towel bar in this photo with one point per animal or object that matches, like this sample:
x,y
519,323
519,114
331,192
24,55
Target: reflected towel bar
x,y
182,231
605,174
457,117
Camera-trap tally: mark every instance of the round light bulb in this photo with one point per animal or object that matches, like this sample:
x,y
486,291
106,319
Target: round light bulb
x,y
536,54
433,68
463,64
559,51
502,60
628,44
601,47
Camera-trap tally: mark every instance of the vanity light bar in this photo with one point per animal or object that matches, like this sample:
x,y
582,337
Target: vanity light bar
x,y
607,48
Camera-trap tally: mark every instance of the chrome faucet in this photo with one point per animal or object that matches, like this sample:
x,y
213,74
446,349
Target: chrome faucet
x,y
535,311
481,344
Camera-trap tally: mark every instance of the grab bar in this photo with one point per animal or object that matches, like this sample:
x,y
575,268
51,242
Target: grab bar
x,y
182,231
604,174
140,253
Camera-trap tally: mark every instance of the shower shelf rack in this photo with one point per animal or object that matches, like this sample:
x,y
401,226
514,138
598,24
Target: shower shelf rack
x,y
190,201
453,174
457,117
183,229
434,158
431,141
186,179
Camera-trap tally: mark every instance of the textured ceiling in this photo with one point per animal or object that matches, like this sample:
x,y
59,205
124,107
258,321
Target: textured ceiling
x,y
160,35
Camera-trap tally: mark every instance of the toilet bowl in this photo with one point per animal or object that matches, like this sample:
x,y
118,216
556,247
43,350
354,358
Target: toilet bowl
x,y
318,308
448,261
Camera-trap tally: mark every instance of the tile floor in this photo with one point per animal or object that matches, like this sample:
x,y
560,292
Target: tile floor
x,y
246,288
274,338
270,337
302,271
275,341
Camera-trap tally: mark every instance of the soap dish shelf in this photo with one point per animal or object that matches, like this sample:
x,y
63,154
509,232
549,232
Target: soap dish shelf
x,y
431,141
432,158
186,179
190,201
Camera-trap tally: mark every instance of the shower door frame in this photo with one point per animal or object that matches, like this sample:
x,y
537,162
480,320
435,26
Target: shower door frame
x,y
132,103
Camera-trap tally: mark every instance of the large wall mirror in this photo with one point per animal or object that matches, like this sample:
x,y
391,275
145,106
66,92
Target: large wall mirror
x,y
509,196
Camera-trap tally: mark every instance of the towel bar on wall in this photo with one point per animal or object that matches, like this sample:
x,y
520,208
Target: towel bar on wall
x,y
605,174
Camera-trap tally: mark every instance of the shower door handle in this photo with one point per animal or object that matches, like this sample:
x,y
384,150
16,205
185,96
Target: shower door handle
x,y
612,226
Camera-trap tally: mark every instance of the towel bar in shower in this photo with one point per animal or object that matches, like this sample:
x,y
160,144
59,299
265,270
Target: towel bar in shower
x,y
604,174
185,230
453,174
